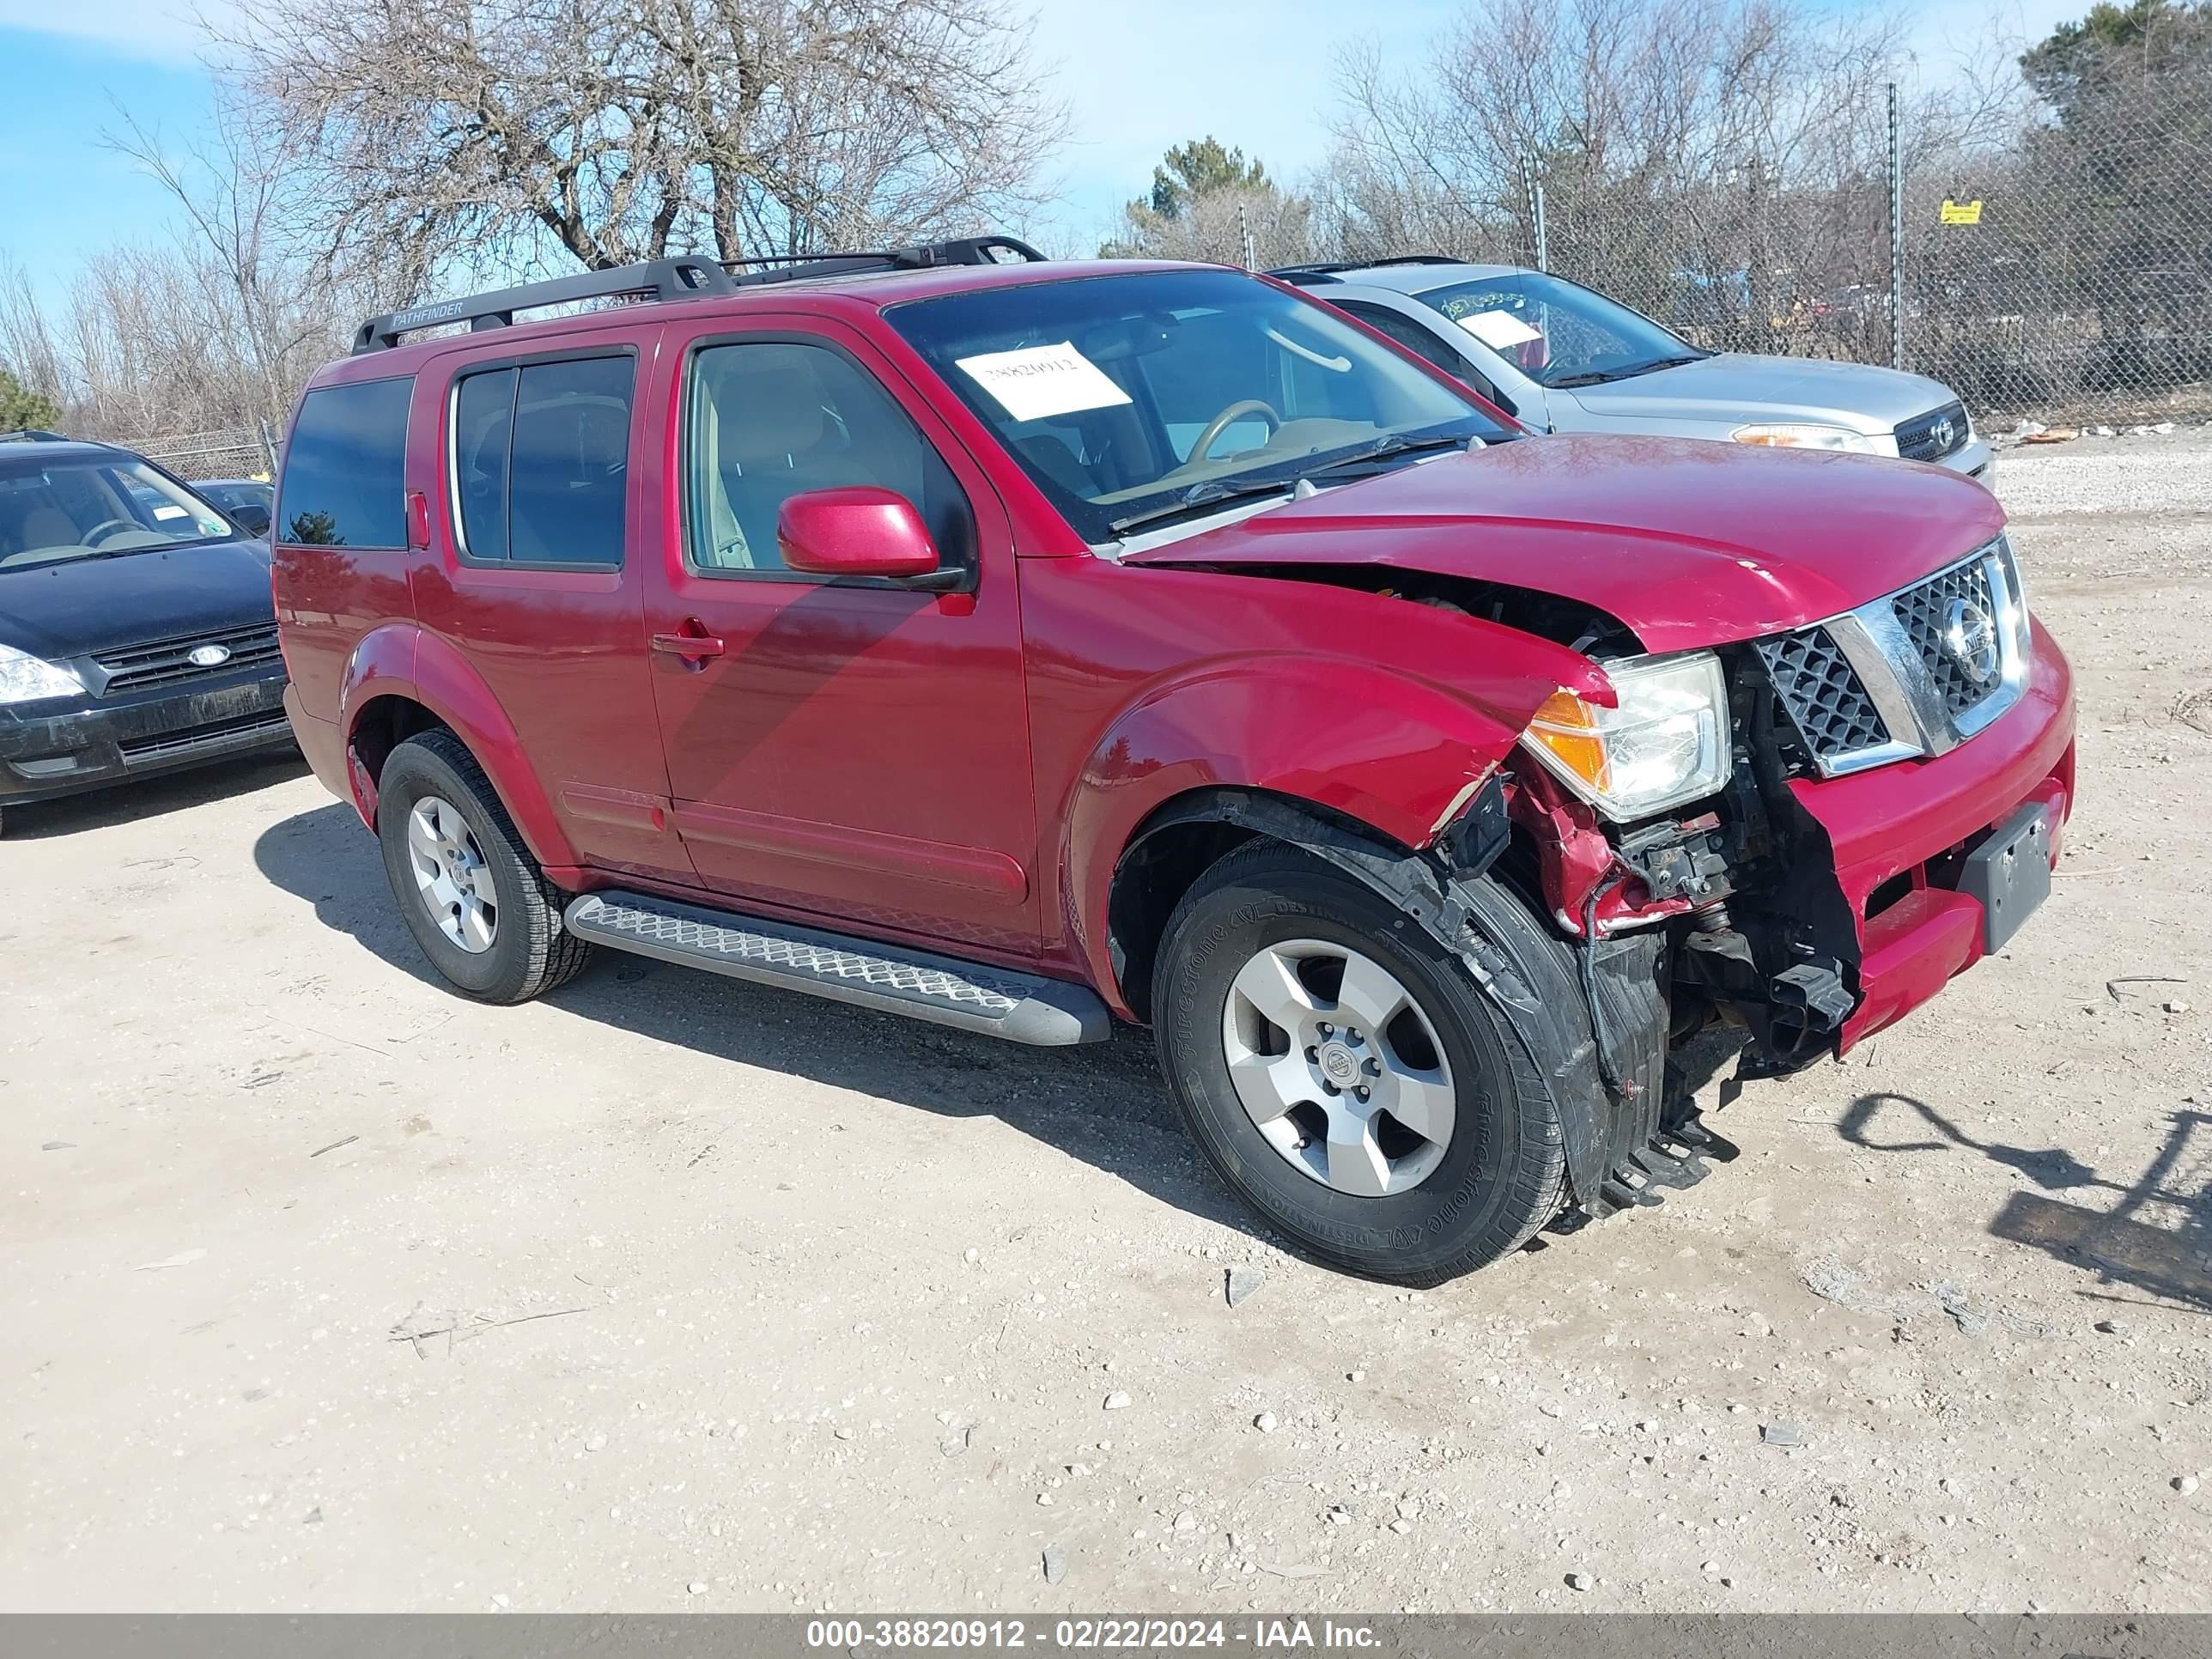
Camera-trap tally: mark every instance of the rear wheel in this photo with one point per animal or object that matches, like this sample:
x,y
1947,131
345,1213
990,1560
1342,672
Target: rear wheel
x,y
1346,1077
467,887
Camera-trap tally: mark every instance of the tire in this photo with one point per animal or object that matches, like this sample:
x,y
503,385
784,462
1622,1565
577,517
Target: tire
x,y
1465,1201
524,950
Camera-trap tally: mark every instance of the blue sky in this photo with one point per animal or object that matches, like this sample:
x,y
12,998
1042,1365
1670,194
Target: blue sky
x,y
1139,75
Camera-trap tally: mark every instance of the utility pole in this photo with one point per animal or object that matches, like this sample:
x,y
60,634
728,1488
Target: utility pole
x,y
1244,238
1535,189
1896,238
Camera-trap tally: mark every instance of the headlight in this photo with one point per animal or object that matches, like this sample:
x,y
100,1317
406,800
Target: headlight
x,y
25,679
1667,742
1806,436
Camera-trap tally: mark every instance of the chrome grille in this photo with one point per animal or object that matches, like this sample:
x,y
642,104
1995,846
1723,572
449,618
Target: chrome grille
x,y
1932,436
1821,693
169,662
1898,675
1924,613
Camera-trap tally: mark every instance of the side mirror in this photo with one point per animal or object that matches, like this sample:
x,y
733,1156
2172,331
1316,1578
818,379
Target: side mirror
x,y
855,530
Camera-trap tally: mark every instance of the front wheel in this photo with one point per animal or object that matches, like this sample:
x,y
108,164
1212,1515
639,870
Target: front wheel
x,y
1346,1076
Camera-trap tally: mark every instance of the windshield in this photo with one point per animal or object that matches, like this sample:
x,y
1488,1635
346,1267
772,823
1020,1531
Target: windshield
x,y
1129,399
79,506
1557,334
248,503
232,496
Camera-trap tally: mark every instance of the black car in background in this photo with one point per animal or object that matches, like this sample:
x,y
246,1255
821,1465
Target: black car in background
x,y
136,632
248,501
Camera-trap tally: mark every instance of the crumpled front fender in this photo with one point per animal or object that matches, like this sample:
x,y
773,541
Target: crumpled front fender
x,y
1386,749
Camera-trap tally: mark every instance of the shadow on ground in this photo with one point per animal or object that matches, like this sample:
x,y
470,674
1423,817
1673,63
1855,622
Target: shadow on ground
x,y
146,798
1103,1103
2121,1244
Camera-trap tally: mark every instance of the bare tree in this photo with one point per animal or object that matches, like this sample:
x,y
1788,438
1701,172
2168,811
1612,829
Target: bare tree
x,y
1720,162
480,130
270,301
218,323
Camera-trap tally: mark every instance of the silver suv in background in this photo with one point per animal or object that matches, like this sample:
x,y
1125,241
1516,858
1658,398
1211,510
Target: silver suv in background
x,y
1563,358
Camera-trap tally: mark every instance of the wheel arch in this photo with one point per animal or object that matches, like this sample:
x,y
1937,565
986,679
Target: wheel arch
x,y
1185,835
1325,750
402,680
1522,967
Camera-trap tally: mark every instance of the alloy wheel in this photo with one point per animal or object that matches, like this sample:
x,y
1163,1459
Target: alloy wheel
x,y
1338,1067
451,875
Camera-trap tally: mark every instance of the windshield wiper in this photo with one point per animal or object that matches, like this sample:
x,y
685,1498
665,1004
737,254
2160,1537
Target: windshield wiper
x,y
1603,376
1211,492
1665,362
1395,445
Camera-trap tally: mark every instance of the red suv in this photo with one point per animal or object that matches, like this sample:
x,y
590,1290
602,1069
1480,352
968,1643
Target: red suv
x,y
1027,646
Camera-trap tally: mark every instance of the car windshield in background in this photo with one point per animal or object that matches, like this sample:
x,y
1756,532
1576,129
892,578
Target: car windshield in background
x,y
1557,334
247,503
80,507
1132,401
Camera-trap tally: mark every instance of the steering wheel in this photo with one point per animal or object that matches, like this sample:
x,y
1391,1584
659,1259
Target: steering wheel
x,y
1221,423
91,538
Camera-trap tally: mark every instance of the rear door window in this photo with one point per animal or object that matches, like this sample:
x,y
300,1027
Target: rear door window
x,y
483,441
342,484
541,461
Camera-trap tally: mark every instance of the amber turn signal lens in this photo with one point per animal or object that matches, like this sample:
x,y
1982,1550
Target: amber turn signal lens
x,y
1567,727
1663,741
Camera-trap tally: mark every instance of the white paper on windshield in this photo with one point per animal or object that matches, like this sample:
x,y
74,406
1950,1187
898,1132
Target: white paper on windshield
x,y
169,513
1038,381
1501,331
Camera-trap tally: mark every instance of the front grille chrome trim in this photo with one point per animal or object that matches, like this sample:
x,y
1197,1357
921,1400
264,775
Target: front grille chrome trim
x,y
1893,673
2014,648
1866,646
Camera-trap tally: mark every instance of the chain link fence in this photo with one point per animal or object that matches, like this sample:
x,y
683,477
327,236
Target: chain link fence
x,y
227,453
2067,278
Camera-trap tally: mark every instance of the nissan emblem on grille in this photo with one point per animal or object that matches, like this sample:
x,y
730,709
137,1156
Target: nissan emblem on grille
x,y
209,656
1970,634
1917,672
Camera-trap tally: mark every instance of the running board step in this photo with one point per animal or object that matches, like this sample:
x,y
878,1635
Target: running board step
x,y
998,1002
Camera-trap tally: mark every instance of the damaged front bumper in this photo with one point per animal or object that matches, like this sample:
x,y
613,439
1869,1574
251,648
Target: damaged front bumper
x,y
1903,837
1796,917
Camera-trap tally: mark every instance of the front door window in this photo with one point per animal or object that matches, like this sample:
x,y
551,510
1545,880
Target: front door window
x,y
772,419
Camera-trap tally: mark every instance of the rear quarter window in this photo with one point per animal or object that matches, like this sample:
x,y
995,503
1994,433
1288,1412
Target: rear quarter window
x,y
342,483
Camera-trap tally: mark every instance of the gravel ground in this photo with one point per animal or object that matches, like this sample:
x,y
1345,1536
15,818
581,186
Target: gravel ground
x,y
322,1289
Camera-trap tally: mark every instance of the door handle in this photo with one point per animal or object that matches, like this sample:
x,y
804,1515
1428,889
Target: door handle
x,y
692,642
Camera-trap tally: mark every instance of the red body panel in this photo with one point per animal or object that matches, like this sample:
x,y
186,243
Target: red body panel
x,y
858,753
966,768
854,531
1689,543
1158,683
1889,821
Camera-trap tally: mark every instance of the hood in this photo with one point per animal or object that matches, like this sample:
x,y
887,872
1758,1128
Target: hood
x,y
1688,542
84,605
1737,388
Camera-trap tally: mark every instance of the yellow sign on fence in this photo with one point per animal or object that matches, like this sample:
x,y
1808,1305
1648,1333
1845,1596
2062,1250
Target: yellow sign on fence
x,y
1961,213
